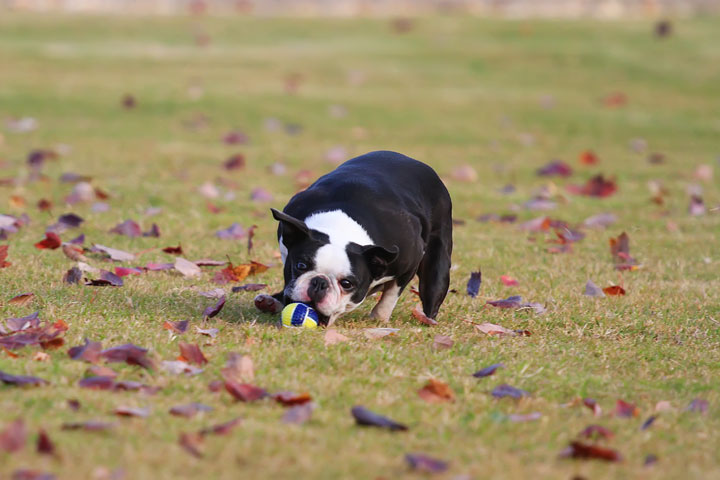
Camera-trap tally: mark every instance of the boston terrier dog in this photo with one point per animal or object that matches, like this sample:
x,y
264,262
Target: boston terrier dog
x,y
369,226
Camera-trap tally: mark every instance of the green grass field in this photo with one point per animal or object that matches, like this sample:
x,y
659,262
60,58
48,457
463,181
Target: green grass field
x,y
503,97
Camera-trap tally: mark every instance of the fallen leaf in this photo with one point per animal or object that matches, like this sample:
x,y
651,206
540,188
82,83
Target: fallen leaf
x,y
650,460
698,405
493,329
51,241
45,446
648,423
592,290
602,220
425,464
192,443
593,405
442,342
332,337
233,232
614,290
40,357
186,267
3,256
179,327
505,390
97,383
473,284
189,410
125,271
130,354
89,352
23,323
14,437
222,428
173,250
509,281
238,368
436,391
128,228
624,409
115,254
73,276
209,332
514,301
588,157
22,299
556,168
213,310
421,317
124,411
89,426
20,380
106,279
366,418
244,392
249,287
290,399
584,451
298,414
487,371
176,367
191,353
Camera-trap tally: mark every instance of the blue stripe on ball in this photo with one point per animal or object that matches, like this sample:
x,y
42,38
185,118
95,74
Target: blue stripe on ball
x,y
298,316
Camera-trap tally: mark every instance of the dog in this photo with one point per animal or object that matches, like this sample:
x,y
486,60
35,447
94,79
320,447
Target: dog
x,y
368,226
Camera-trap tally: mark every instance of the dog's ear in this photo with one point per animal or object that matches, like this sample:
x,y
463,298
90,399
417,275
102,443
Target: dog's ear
x,y
379,258
291,229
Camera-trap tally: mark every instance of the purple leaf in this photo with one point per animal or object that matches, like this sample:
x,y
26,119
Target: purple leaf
x,y
487,371
366,418
505,390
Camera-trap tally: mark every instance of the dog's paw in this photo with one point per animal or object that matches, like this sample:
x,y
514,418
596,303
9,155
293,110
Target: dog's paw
x,y
267,304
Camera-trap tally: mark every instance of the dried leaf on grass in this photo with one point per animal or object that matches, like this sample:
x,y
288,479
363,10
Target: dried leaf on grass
x,y
436,391
367,418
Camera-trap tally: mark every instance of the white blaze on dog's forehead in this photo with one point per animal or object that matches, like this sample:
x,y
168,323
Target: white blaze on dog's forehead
x,y
332,259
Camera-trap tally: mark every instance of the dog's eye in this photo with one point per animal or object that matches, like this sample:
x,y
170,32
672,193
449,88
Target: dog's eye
x,y
301,266
346,284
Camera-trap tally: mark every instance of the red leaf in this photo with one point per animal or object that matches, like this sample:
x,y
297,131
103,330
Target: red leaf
x,y
222,428
45,446
125,271
51,241
213,310
584,451
173,250
614,290
508,281
555,169
191,353
3,256
130,354
592,431
244,391
625,410
588,157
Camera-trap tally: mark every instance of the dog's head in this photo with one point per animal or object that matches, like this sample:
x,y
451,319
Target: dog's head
x,y
330,262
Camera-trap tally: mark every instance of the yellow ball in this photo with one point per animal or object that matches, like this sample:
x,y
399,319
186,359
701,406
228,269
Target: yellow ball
x,y
299,315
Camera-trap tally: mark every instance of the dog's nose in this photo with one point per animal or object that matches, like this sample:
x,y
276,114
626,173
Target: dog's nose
x,y
318,288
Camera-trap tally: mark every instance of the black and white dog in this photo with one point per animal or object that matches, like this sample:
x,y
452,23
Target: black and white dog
x,y
370,225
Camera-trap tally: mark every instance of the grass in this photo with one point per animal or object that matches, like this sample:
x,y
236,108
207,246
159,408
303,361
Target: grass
x,y
450,92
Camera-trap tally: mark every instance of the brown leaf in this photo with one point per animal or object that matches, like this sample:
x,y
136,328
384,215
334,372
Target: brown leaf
x,y
89,352
614,290
244,392
130,354
436,391
442,342
3,256
192,443
420,315
332,337
290,399
377,333
584,451
13,438
238,368
493,329
179,327
191,353
22,299
124,411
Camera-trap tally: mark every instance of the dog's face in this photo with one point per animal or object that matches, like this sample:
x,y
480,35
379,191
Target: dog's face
x,y
329,262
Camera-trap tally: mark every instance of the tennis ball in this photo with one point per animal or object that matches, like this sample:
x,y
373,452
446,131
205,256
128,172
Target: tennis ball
x,y
299,315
